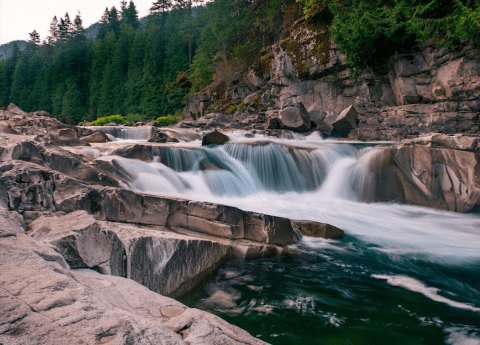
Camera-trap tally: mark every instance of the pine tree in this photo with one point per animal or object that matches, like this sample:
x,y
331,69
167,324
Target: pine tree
x,y
103,24
113,20
161,6
69,27
53,31
78,24
130,15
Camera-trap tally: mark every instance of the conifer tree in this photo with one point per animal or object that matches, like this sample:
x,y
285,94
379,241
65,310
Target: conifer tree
x,y
78,24
161,6
34,38
130,15
53,31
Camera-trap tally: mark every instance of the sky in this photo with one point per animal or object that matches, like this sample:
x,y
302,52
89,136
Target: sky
x,y
20,17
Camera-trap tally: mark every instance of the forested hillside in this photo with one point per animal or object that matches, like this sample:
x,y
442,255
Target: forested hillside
x,y
146,70
141,70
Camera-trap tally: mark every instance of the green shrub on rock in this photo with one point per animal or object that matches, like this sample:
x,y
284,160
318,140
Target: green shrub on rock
x,y
167,120
118,119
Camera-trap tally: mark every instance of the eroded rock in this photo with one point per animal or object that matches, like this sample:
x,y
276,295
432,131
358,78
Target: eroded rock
x,y
43,302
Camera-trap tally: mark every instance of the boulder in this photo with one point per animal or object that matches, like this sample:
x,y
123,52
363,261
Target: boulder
x,y
67,132
42,301
316,229
295,118
214,138
345,122
96,137
272,123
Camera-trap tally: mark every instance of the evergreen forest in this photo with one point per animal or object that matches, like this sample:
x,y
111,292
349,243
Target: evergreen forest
x,y
144,69
141,69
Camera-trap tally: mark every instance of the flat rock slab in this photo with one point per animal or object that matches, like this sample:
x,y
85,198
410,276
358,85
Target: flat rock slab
x,y
43,302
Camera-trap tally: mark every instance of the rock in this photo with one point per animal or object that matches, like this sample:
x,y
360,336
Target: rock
x,y
438,177
250,98
67,132
295,118
345,122
11,223
96,137
67,141
138,151
214,138
325,128
272,123
316,229
268,229
156,258
43,302
14,112
6,128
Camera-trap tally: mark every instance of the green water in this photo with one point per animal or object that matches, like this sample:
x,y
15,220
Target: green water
x,y
334,292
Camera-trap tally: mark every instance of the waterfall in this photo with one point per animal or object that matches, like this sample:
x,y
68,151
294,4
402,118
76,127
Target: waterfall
x,y
126,133
336,183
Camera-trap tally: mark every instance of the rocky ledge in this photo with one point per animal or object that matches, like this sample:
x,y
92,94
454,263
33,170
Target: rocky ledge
x,y
85,261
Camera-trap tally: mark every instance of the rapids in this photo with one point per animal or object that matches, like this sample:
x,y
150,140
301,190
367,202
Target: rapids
x,y
425,258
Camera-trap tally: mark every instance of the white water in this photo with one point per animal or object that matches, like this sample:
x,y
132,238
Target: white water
x,y
430,292
321,181
125,133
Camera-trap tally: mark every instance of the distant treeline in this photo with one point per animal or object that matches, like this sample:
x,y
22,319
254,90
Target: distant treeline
x,y
131,68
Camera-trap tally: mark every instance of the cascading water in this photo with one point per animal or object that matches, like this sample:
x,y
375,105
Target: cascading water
x,y
403,274
126,133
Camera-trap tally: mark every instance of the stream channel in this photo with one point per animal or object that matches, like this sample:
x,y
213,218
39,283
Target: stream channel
x,y
402,274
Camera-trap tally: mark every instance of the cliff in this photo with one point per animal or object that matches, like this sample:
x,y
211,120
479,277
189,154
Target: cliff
x,y
427,90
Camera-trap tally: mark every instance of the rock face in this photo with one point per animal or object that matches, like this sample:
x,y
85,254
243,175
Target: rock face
x,y
437,171
157,258
214,138
42,301
427,90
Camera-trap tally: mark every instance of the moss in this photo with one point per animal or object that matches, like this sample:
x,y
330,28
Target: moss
x,y
234,108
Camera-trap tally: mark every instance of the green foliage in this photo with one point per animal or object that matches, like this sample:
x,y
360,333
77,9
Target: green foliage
x,y
167,120
368,32
118,119
132,118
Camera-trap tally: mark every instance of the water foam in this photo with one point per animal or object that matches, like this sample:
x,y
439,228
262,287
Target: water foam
x,y
429,292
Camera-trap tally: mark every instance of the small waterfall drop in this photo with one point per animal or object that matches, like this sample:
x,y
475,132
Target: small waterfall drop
x,y
126,133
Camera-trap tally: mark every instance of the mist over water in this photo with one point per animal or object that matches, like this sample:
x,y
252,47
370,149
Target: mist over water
x,y
404,273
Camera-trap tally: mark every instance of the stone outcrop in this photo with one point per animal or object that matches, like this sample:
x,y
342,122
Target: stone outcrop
x,y
316,229
214,138
157,258
42,301
437,171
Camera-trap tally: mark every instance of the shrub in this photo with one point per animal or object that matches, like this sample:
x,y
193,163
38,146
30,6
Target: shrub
x,y
167,120
118,119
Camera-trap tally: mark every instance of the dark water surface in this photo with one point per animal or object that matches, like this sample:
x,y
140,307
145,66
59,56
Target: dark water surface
x,y
347,292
